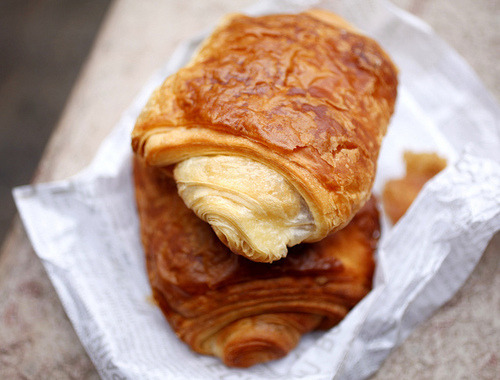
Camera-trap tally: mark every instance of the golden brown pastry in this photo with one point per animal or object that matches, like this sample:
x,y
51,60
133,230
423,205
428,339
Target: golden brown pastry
x,y
398,194
274,128
245,312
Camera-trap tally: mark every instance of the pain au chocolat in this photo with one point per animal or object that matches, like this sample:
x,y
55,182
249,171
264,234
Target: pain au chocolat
x,y
272,130
242,311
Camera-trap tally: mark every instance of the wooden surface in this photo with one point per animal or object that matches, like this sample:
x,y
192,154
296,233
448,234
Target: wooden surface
x,y
37,340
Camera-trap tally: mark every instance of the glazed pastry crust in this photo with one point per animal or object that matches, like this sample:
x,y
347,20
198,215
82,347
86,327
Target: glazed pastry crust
x,y
241,311
304,94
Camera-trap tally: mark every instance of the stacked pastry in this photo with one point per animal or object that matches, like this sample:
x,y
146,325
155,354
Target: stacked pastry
x,y
253,172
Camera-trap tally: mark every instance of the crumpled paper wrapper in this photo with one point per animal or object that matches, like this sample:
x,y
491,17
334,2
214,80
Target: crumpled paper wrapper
x,y
86,232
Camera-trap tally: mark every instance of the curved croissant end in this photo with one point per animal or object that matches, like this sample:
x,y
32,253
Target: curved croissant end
x,y
260,338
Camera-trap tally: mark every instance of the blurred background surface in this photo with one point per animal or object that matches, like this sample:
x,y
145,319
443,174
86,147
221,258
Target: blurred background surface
x,y
43,44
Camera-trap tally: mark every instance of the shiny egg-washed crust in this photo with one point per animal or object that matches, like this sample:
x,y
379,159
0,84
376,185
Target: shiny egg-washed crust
x,y
304,94
245,312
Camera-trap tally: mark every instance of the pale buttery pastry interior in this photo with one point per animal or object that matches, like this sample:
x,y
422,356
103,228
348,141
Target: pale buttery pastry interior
x,y
252,208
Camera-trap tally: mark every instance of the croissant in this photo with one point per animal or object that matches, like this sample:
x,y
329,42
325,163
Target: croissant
x,y
272,131
239,310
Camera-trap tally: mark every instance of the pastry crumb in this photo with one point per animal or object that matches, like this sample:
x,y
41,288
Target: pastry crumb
x,y
398,194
